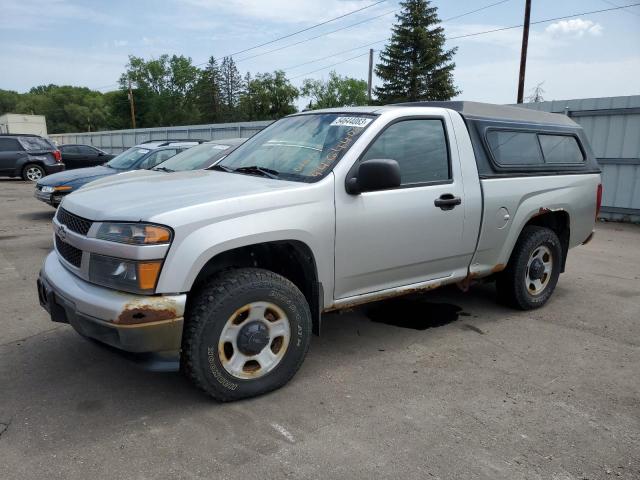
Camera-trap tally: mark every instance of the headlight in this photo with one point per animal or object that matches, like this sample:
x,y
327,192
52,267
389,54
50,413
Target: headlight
x,y
127,275
134,233
61,188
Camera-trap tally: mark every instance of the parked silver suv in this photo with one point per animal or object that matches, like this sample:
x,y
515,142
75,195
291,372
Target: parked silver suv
x,y
232,267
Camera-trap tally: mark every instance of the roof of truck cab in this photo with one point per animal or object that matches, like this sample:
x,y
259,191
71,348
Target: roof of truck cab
x,y
476,110
490,111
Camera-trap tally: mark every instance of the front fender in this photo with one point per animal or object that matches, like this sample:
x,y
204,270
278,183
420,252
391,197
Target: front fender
x,y
311,223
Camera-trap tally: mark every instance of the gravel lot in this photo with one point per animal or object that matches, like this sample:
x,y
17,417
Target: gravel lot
x,y
480,391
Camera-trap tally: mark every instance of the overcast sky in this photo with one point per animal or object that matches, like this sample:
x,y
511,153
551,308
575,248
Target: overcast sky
x,y
86,43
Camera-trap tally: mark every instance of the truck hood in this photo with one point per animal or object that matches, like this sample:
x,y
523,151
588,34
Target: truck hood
x,y
170,198
79,175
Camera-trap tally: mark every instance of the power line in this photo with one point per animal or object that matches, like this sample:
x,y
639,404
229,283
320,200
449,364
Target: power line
x,y
484,32
306,29
380,41
616,5
314,38
474,11
543,21
329,66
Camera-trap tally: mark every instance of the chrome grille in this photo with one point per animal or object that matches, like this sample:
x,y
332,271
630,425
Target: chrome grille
x,y
73,222
70,253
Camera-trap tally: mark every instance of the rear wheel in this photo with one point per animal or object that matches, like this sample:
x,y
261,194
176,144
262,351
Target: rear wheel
x,y
246,333
533,270
32,172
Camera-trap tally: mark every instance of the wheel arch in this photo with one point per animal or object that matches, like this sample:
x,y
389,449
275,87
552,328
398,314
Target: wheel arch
x,y
293,259
559,221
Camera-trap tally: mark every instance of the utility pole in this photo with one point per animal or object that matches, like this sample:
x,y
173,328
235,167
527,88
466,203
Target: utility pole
x,y
133,108
370,75
523,52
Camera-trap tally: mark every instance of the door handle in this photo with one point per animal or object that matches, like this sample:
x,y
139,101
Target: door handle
x,y
447,201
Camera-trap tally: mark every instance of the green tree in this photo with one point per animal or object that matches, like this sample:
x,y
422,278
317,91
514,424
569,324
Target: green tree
x,y
164,90
415,65
8,101
338,91
208,91
66,108
269,96
232,88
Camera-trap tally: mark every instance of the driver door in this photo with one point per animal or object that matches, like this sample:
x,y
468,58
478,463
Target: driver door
x,y
398,237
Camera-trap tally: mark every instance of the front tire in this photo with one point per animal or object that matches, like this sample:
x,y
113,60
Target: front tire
x,y
533,270
246,333
32,172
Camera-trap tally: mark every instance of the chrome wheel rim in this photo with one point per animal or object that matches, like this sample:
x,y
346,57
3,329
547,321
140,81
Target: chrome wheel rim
x,y
254,340
539,268
34,174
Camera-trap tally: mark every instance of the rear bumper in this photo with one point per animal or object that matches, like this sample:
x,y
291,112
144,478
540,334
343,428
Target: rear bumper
x,y
54,168
133,323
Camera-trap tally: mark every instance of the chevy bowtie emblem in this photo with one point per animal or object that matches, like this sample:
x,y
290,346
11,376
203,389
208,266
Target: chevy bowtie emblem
x,y
62,232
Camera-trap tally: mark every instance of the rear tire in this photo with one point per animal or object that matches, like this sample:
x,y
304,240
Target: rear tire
x,y
246,333
533,270
32,172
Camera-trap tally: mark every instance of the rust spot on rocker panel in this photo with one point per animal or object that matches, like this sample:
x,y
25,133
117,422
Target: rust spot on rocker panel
x,y
152,309
399,292
498,268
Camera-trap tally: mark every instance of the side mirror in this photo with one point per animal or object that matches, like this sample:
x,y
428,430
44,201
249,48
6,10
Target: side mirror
x,y
101,154
372,175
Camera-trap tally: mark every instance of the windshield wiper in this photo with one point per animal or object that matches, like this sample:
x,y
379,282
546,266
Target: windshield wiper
x,y
163,169
254,169
220,167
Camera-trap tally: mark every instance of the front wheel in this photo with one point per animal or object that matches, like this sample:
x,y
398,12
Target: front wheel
x,y
533,270
246,333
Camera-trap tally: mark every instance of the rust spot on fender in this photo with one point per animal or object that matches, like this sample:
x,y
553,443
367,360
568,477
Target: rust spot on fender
x,y
542,211
152,309
498,268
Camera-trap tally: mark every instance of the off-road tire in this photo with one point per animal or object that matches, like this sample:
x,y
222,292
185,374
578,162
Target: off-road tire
x,y
28,166
510,283
209,311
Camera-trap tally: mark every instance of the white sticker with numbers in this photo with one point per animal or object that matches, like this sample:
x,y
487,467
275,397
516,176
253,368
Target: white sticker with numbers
x,y
359,122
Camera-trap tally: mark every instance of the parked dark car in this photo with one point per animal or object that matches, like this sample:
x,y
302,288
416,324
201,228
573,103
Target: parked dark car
x,y
80,156
145,156
28,156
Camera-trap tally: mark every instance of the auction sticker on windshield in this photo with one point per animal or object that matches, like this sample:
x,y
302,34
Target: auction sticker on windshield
x,y
359,122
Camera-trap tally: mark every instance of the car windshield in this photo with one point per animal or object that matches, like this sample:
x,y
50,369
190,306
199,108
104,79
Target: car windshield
x,y
195,158
128,158
300,148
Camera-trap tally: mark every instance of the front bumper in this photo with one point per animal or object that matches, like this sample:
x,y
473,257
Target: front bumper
x,y
52,199
133,323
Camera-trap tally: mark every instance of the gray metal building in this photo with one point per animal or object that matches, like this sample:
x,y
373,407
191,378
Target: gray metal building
x,y
613,127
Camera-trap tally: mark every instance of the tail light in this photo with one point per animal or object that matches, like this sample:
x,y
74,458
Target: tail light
x,y
598,199
57,155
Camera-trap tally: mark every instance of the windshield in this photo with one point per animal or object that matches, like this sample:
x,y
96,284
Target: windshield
x,y
301,148
201,156
128,158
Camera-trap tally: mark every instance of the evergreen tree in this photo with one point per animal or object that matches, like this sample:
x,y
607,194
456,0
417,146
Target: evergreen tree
x,y
232,86
414,65
209,92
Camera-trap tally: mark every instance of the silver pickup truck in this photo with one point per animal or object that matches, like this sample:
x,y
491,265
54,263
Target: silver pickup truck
x,y
232,267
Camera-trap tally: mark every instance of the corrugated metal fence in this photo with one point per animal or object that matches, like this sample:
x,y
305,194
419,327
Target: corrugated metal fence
x,y
116,141
612,125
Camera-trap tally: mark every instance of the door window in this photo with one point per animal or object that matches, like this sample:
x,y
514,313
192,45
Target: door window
x,y
70,149
10,145
157,158
419,147
85,150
